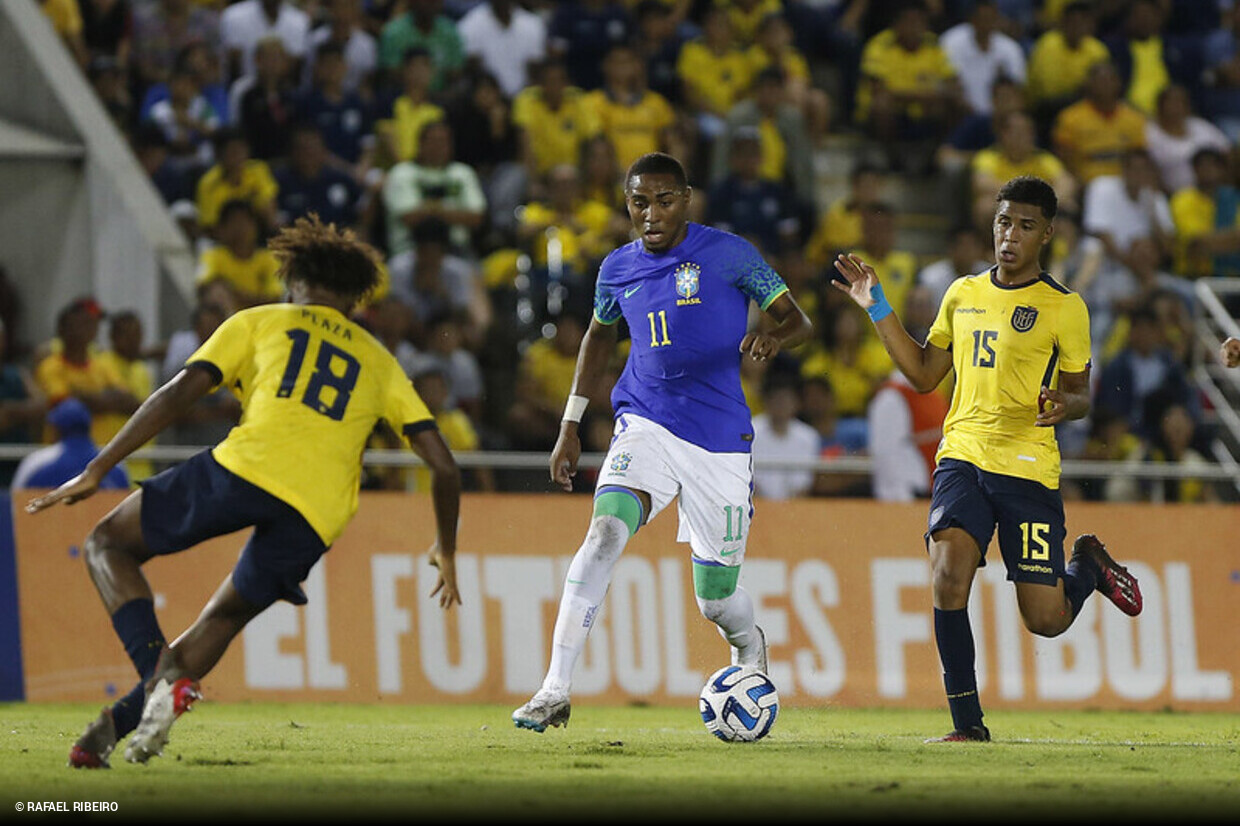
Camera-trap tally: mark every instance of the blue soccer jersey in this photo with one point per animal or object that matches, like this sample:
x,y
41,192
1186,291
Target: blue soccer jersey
x,y
687,311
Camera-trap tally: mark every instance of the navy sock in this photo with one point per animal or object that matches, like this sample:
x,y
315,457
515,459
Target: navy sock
x,y
136,625
954,637
1080,579
127,711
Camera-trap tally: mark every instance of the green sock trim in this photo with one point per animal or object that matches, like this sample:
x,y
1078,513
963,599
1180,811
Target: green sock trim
x,y
714,581
621,503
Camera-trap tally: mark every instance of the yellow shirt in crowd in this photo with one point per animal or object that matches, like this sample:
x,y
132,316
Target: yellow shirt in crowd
x,y
60,378
634,127
577,247
406,125
555,135
993,163
257,186
551,371
257,275
839,229
853,384
719,80
1055,70
1092,143
901,71
137,378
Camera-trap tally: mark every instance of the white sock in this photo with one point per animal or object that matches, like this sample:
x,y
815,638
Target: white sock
x,y
734,616
589,574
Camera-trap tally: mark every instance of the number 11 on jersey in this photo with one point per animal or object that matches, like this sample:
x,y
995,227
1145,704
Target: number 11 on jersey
x,y
735,531
654,333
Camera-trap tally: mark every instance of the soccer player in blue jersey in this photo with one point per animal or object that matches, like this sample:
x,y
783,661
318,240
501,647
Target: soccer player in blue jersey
x,y
1018,342
682,429
313,385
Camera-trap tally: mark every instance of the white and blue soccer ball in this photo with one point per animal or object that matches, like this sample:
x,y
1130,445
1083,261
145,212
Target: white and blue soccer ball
x,y
739,704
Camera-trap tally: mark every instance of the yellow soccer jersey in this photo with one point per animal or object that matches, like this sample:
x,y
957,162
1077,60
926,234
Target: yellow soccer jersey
x,y
406,124
719,80
138,379
555,135
312,386
903,72
634,127
257,185
1040,164
1057,70
838,229
459,434
256,277
1006,342
1092,143
1193,213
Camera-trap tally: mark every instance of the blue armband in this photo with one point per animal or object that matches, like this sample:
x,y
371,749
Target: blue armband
x,y
881,308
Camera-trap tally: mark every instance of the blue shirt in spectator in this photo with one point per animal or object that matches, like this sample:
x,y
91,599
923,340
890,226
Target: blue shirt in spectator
x,y
52,466
583,34
333,194
756,209
215,93
345,123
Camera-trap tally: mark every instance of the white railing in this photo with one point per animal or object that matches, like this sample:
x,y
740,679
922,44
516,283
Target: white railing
x,y
1220,385
852,465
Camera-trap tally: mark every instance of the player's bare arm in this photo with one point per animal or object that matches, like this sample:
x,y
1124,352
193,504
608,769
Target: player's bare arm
x,y
160,409
1069,401
792,328
1230,352
597,347
924,364
446,497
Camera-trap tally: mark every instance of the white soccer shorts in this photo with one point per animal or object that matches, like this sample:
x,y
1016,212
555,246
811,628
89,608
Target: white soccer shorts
x,y
714,491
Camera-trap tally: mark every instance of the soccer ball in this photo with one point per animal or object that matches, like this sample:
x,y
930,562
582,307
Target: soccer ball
x,y
739,704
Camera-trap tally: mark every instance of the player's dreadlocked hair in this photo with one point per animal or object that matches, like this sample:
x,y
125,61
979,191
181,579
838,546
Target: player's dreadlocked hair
x,y
1027,189
322,255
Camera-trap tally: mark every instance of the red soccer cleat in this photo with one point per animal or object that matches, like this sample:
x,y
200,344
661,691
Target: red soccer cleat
x,y
969,734
1114,581
92,749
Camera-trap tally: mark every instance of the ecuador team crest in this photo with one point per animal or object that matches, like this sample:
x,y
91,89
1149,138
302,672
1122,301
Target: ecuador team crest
x,y
1023,318
688,279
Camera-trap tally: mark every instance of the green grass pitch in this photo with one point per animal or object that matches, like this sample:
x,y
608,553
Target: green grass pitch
x,y
309,762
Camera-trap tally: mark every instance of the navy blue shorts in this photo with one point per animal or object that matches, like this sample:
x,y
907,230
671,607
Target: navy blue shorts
x,y
200,499
1029,517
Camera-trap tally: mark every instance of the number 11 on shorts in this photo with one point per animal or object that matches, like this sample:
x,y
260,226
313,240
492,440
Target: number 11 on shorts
x,y
737,531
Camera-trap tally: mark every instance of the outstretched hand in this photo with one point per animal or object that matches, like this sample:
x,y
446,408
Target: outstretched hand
x,y
1230,352
859,279
446,586
76,489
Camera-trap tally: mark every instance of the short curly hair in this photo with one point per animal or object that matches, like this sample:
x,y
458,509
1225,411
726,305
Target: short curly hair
x,y
323,255
1027,189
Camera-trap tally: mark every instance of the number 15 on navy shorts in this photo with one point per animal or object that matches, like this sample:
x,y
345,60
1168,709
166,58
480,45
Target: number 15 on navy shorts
x,y
1029,517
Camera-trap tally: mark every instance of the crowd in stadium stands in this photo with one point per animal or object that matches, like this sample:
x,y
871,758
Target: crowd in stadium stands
x,y
480,145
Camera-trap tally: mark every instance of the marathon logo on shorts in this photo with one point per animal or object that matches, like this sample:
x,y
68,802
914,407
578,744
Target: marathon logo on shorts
x,y
688,280
1023,318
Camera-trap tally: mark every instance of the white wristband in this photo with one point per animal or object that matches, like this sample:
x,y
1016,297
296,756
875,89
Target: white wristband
x,y
575,409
